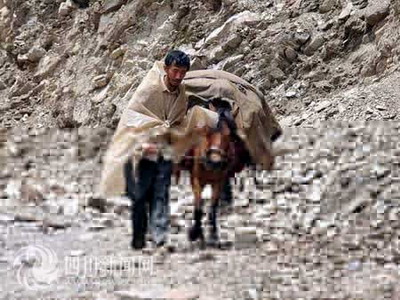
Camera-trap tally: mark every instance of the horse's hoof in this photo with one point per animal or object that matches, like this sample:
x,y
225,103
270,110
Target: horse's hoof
x,y
202,244
196,233
213,240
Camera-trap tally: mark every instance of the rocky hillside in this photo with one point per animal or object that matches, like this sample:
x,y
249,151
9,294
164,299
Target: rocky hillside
x,y
67,65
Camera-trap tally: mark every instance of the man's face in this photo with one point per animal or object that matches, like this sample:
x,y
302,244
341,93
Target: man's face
x,y
175,74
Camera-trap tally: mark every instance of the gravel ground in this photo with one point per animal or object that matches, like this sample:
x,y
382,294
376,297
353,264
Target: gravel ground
x,y
324,224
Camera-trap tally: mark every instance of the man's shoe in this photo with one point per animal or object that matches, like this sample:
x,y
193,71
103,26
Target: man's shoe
x,y
160,243
138,244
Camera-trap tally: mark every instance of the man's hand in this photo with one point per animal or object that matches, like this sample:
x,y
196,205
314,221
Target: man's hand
x,y
150,149
203,130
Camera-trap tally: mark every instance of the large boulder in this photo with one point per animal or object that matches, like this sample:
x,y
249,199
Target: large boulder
x,y
376,11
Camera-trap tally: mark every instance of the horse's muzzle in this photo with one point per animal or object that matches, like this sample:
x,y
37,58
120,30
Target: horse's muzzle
x,y
215,159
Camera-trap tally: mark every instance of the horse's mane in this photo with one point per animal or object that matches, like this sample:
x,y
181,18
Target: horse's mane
x,y
225,115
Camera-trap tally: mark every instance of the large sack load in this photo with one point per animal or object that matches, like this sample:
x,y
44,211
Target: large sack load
x,y
256,124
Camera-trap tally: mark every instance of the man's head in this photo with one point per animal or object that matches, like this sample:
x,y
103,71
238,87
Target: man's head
x,y
176,64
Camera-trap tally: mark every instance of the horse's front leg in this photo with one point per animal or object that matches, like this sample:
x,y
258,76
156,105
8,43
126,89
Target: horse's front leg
x,y
213,239
196,231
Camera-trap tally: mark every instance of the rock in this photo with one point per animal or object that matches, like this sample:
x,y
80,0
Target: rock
x,y
119,204
231,61
104,296
2,85
251,294
231,222
271,248
97,227
118,52
101,81
4,15
346,12
56,222
70,207
290,54
327,6
233,42
6,218
158,293
360,3
198,63
177,221
276,73
357,205
112,5
245,237
47,66
217,54
181,294
33,191
291,93
204,256
22,58
13,189
316,42
65,8
52,207
323,85
354,265
98,203
232,23
36,54
308,220
302,37
27,217
21,87
303,179
315,194
323,105
86,237
242,202
380,171
107,220
376,11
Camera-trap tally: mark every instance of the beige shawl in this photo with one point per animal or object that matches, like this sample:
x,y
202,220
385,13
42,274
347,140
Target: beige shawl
x,y
150,116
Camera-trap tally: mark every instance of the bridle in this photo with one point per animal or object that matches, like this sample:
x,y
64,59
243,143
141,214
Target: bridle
x,y
215,159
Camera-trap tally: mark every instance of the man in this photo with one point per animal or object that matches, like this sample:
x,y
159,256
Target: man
x,y
149,191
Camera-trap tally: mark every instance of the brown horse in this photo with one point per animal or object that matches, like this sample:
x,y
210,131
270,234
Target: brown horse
x,y
211,162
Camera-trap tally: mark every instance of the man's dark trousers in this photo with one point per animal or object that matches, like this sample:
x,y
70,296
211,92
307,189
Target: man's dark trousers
x,y
149,192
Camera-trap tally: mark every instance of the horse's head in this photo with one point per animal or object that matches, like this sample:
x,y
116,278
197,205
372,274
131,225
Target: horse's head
x,y
218,139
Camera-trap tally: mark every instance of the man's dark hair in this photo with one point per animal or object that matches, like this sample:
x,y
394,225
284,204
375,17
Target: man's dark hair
x,y
178,58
